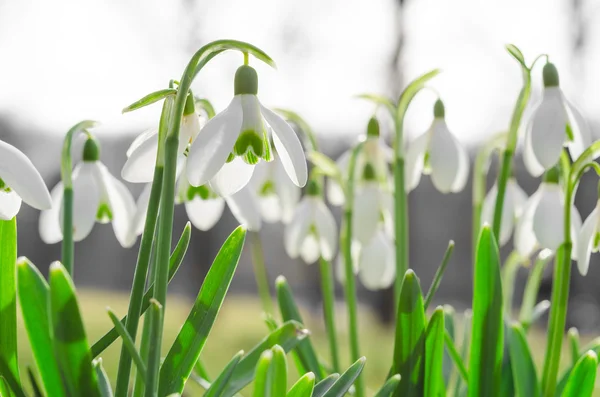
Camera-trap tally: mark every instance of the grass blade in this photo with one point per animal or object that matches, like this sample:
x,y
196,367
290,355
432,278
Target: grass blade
x,y
70,342
279,370
449,323
307,356
389,386
523,368
304,387
437,279
461,382
582,379
592,346
34,297
324,385
263,377
457,359
218,386
150,99
532,288
176,259
341,386
573,336
103,382
409,347
8,296
37,390
434,355
287,336
186,349
128,342
509,277
487,343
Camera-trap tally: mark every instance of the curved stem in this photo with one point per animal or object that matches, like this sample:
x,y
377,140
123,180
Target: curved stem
x,y
260,273
328,289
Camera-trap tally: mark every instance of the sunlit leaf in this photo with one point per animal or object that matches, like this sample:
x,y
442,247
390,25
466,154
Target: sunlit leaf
x,y
389,386
303,387
583,377
8,296
324,385
341,386
218,386
523,367
103,382
517,54
434,355
150,99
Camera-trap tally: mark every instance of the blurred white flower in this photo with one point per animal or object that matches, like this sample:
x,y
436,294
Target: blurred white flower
x,y
97,197
541,223
312,232
141,155
439,153
553,124
514,202
19,180
377,261
234,141
588,240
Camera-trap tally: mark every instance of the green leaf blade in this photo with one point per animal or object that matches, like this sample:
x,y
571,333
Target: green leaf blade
x,y
279,370
303,387
341,386
523,367
434,355
150,99
103,382
8,297
583,378
218,386
324,385
389,386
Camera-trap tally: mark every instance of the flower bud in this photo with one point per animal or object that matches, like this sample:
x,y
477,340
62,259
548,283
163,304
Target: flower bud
x,y
91,150
369,172
373,128
552,175
550,75
246,81
313,188
439,112
190,106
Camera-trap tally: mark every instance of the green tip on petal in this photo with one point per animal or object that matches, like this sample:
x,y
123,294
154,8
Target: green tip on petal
x,y
250,146
369,172
373,128
313,188
246,81
199,191
439,112
190,105
91,150
552,175
267,189
550,75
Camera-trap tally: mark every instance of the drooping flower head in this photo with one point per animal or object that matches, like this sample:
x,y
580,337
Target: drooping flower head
x,y
19,181
514,202
438,153
588,239
312,233
97,197
554,123
234,141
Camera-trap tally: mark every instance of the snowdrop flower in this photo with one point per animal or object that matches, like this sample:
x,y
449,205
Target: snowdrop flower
x,y
374,149
514,202
554,123
439,153
312,233
377,261
19,181
276,195
589,240
541,224
141,155
234,141
98,197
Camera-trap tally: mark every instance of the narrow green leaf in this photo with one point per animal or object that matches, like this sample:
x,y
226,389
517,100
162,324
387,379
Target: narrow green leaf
x,y
200,369
218,386
324,385
437,279
325,165
307,355
434,355
509,277
103,382
594,346
449,323
517,54
10,383
409,346
70,342
279,370
389,386
539,310
263,378
381,101
175,261
523,368
532,288
583,378
37,390
487,344
214,48
186,349
287,336
205,105
461,383
128,342
8,296
150,99
34,296
573,336
409,93
457,358
4,389
304,387
341,386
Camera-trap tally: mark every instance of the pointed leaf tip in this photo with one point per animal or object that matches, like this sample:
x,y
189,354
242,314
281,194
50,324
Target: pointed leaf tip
x,y
280,281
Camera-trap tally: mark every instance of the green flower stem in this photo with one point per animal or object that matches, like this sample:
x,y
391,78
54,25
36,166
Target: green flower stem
x,y
260,273
328,290
350,286
66,174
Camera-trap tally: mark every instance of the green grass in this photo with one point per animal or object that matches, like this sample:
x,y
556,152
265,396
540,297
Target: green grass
x,y
239,326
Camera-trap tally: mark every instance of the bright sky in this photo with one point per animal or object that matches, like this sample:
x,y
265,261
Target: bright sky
x,y
67,60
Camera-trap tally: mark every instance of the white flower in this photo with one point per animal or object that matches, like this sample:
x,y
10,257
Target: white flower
x,y
312,233
372,205
514,202
97,197
276,195
439,153
19,180
589,240
377,262
553,124
541,223
141,155
232,142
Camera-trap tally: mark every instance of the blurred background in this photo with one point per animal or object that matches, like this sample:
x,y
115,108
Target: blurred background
x,y
67,60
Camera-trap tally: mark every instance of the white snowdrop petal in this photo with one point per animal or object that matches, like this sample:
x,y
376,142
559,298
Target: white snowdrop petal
x,y
575,228
10,203
310,250
190,128
531,162
366,212
519,197
141,208
548,218
326,229
548,132
288,146
214,143
525,239
149,134
19,174
335,193
448,160
415,156
586,242
49,223
86,200
270,208
232,177
288,192
261,175
204,214
580,128
298,228
374,262
244,208
139,167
